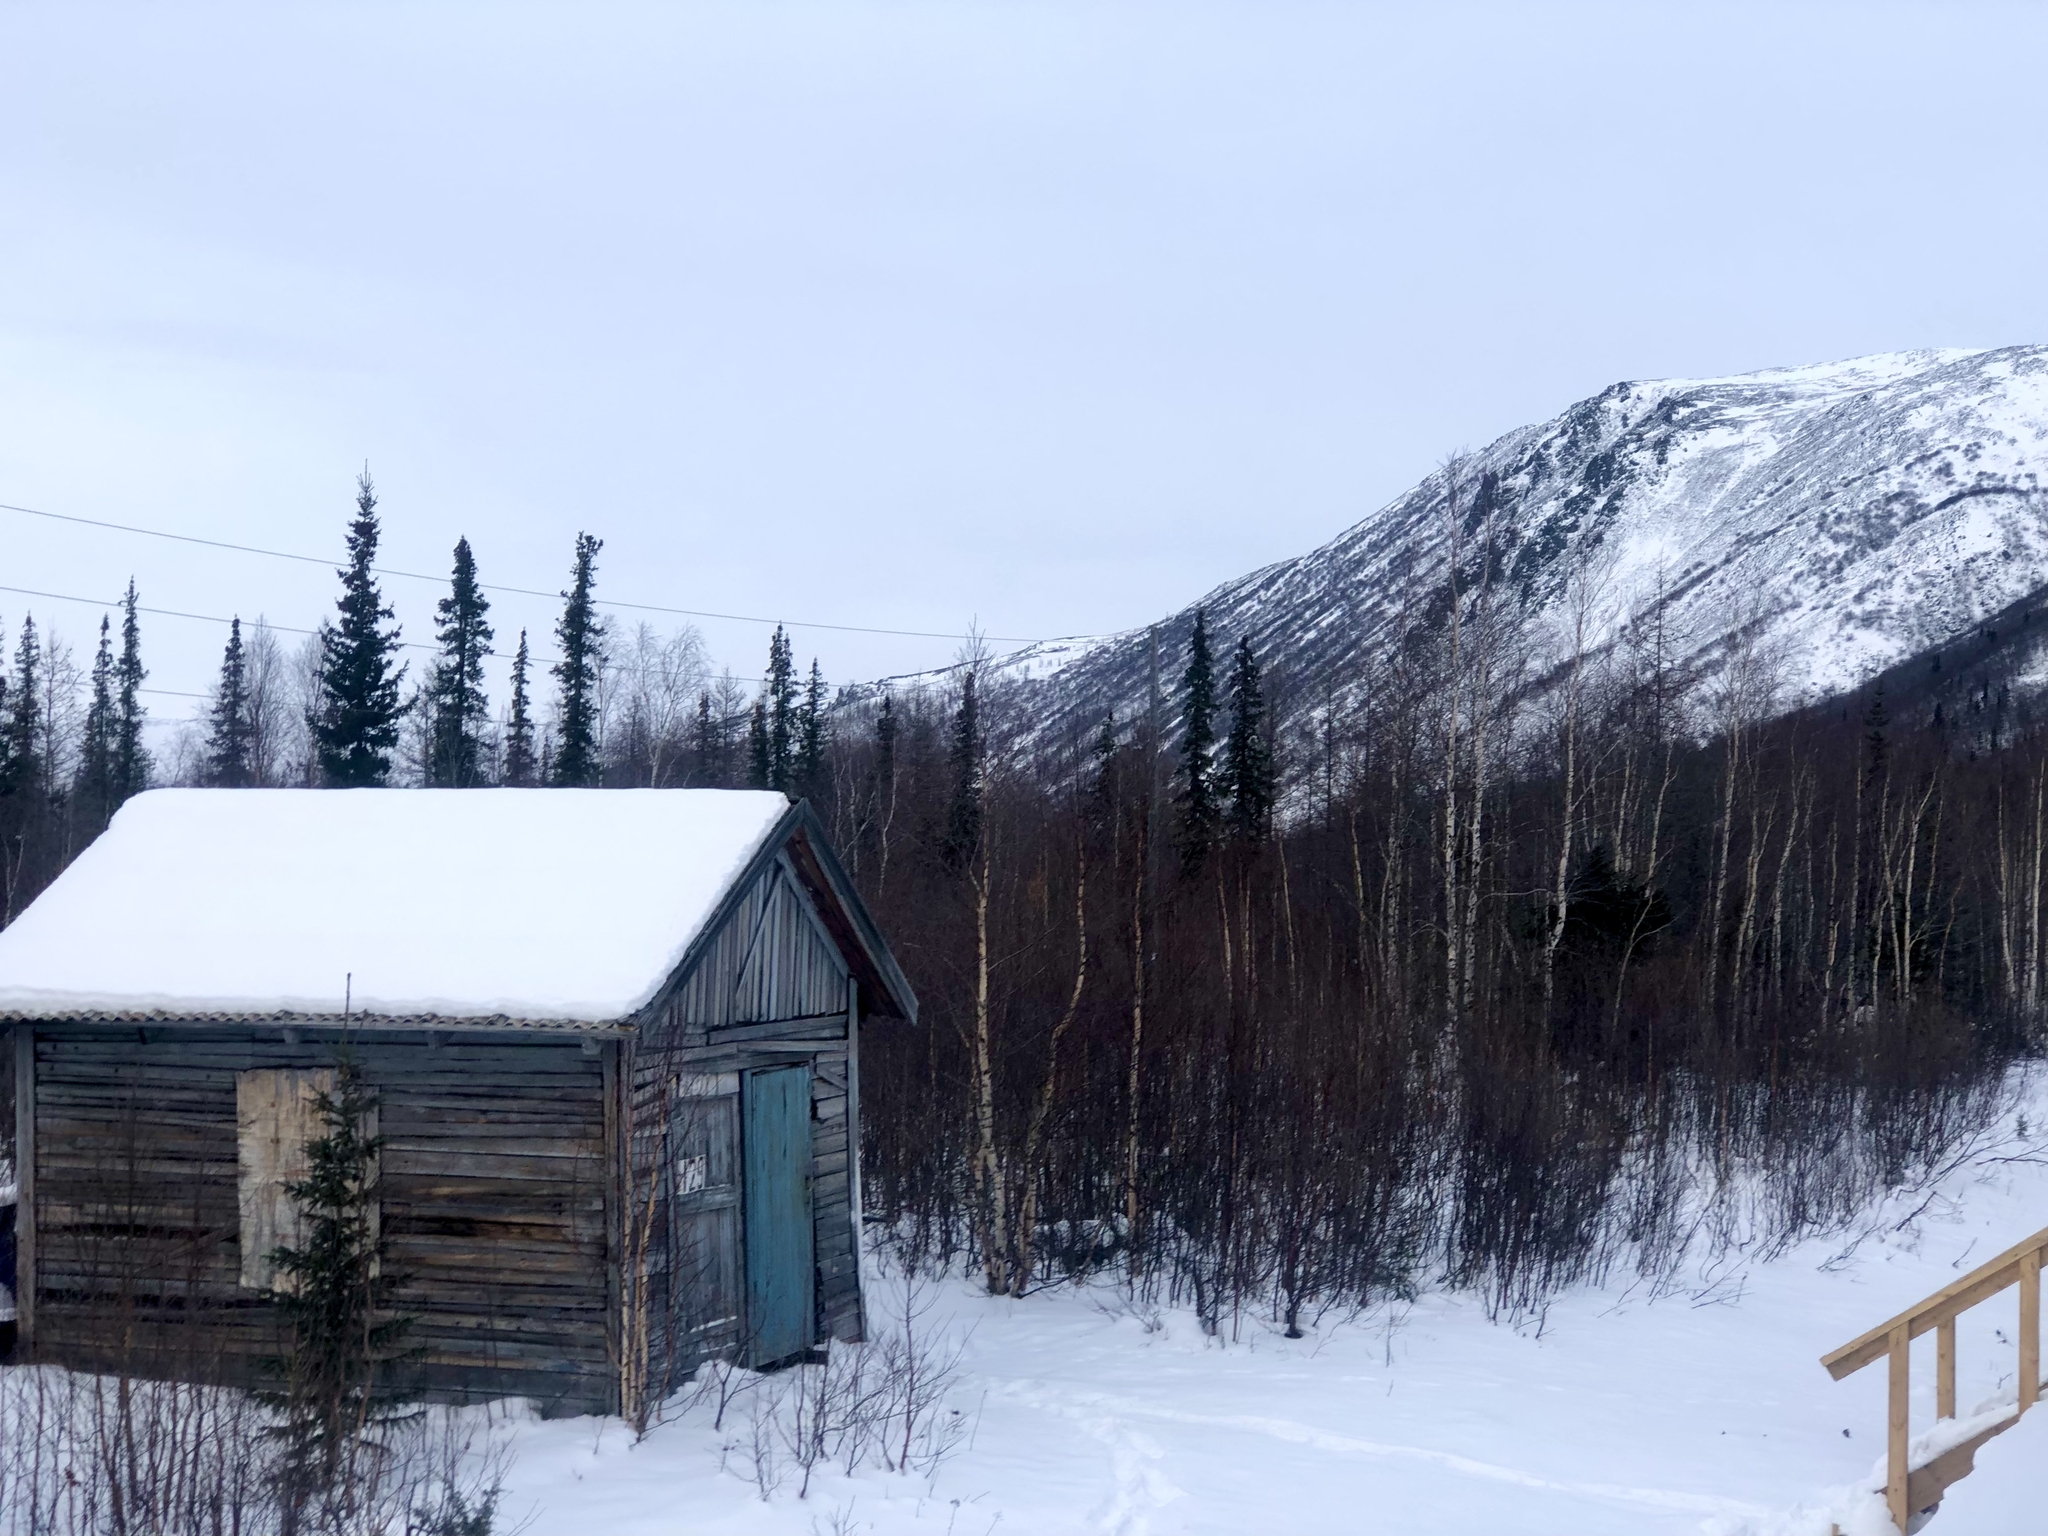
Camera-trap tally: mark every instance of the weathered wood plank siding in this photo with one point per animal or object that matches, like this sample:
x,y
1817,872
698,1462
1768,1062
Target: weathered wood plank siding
x,y
770,988
492,1193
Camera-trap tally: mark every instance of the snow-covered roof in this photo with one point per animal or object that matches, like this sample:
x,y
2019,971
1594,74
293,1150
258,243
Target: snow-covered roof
x,y
530,904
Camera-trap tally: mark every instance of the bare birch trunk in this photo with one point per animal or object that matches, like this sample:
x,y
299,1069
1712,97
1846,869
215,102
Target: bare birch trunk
x,y
1034,1136
987,1165
1137,1054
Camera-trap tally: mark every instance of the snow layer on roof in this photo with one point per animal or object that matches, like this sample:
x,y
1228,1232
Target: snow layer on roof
x,y
532,903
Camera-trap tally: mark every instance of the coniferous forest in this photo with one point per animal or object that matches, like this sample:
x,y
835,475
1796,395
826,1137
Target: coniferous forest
x,y
1527,956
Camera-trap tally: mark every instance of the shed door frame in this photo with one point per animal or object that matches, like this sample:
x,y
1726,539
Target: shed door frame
x,y
781,1262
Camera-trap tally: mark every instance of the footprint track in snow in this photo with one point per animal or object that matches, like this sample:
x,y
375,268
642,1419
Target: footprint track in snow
x,y
1143,1486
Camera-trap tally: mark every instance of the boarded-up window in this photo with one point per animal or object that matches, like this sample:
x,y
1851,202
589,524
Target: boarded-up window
x,y
277,1113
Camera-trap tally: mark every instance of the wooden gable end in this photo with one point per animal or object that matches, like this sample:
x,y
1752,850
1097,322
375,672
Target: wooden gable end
x,y
771,958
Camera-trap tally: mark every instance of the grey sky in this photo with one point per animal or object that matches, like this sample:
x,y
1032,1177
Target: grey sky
x,y
1050,315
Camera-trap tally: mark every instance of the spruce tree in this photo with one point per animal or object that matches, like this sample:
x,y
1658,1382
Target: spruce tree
x,y
231,733
26,819
6,740
1197,788
779,691
131,757
1248,775
96,798
964,813
355,713
519,759
24,724
885,743
334,1296
704,745
808,770
457,710
1103,779
1876,742
580,634
760,762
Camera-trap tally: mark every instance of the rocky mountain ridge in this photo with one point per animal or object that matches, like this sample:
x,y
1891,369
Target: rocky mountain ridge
x,y
1848,515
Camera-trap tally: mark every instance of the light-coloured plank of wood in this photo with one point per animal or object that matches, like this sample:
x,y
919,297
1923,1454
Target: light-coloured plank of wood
x,y
1945,1369
1986,1280
2030,1330
1897,1417
276,1116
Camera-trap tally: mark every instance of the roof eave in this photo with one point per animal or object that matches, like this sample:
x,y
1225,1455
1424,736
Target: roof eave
x,y
380,1022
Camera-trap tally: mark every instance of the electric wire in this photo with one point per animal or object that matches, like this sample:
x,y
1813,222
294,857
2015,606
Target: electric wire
x,y
287,629
602,602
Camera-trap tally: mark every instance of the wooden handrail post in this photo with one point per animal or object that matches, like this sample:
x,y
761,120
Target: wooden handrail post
x,y
2030,1329
1901,1352
1945,1369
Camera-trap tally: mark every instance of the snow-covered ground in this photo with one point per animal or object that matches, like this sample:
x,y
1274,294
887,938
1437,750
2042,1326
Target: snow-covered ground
x,y
1700,1411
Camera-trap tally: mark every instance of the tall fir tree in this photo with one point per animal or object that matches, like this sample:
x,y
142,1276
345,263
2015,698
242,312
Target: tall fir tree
x,y
520,764
96,797
1876,741
131,757
964,812
231,733
580,634
807,772
885,744
760,759
6,741
705,768
458,713
1196,791
355,712
1248,773
24,724
1101,797
778,690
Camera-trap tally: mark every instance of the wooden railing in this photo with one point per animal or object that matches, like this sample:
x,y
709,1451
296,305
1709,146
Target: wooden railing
x,y
1908,1490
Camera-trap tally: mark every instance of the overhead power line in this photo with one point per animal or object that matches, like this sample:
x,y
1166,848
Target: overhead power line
x,y
214,618
385,570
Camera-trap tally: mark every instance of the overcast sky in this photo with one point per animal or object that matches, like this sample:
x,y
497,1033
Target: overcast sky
x,y
1046,316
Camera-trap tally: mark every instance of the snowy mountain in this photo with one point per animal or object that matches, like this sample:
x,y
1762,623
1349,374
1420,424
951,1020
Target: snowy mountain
x,y
1853,513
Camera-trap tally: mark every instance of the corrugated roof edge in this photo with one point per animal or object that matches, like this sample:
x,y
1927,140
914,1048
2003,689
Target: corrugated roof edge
x,y
385,1021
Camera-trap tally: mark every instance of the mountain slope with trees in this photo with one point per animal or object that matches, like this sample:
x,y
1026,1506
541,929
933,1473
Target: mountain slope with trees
x,y
1845,516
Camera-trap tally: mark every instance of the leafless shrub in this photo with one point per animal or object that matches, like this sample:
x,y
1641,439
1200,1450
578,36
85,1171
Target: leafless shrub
x,y
82,1455
764,1467
880,1403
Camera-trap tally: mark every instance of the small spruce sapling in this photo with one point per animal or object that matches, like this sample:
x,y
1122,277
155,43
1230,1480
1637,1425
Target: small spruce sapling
x,y
333,1296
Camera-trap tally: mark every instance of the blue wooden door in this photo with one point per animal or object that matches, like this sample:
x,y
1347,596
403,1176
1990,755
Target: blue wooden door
x,y
777,1146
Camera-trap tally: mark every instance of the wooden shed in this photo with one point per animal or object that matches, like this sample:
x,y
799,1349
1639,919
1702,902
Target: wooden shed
x,y
612,1039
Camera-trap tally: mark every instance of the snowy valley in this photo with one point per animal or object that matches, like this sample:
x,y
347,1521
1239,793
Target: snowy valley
x,y
1696,1408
